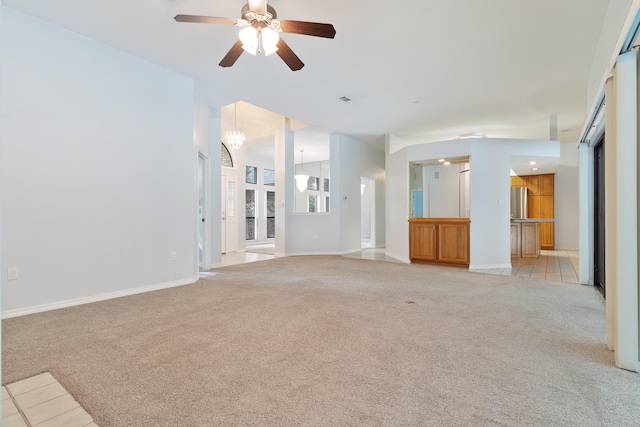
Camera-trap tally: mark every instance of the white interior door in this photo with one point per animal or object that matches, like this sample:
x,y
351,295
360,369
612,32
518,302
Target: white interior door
x,y
229,226
367,213
201,211
223,216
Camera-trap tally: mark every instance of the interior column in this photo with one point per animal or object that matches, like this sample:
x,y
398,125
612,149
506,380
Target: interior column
x,y
621,199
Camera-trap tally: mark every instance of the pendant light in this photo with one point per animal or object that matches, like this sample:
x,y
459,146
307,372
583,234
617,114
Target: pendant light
x,y
301,178
234,137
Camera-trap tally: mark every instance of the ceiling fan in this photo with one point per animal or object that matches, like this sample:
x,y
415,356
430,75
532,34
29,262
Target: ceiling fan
x,y
261,32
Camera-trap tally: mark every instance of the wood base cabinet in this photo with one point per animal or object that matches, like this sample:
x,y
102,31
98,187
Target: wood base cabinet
x,y
439,241
525,240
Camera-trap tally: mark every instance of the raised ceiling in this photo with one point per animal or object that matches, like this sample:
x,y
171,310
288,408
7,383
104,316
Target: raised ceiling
x,y
427,68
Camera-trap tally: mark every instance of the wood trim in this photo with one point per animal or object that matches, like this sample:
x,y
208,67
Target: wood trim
x,y
439,220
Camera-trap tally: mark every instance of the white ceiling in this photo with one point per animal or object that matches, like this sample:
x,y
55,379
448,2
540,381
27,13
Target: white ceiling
x,y
521,165
434,69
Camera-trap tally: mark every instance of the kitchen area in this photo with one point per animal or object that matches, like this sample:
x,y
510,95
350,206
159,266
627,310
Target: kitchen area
x,y
458,193
440,218
532,217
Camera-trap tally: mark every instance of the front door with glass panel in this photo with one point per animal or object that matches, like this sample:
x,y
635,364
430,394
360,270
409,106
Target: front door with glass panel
x,y
229,214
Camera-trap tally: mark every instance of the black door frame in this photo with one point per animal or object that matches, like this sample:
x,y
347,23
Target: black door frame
x,y
599,217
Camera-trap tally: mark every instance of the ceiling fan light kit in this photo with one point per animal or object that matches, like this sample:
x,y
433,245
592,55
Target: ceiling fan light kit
x,y
260,32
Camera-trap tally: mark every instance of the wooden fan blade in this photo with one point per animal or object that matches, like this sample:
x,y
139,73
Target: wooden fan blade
x,y
287,55
258,6
232,56
205,19
315,29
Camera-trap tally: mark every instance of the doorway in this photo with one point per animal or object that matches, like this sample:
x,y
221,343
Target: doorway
x,y
202,191
367,213
229,226
598,218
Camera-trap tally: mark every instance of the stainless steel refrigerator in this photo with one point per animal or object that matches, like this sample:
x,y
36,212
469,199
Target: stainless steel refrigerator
x,y
518,202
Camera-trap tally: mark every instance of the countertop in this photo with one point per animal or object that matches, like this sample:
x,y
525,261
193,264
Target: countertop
x,y
534,220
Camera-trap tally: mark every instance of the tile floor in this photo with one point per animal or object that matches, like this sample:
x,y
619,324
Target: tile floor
x,y
558,266
376,254
41,401
243,257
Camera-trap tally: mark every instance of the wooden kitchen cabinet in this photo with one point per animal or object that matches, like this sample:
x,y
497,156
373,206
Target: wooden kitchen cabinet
x,y
533,207
546,207
547,229
540,204
547,235
547,185
533,184
518,181
439,241
423,240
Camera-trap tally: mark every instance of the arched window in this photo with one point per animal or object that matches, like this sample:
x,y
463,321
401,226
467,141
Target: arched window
x,y
226,156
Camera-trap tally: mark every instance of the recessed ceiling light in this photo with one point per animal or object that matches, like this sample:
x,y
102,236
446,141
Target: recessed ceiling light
x,y
534,169
532,163
441,160
447,163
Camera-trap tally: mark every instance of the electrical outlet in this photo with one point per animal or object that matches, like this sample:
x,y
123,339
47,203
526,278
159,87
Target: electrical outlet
x,y
12,273
174,256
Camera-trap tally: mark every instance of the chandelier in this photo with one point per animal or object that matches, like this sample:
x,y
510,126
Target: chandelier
x,y
301,178
234,137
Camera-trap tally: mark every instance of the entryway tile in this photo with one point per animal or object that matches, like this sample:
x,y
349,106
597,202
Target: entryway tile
x,y
50,409
77,417
40,395
41,401
14,420
31,383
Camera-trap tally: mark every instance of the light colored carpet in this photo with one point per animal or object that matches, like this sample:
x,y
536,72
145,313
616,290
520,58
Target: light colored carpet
x,y
331,341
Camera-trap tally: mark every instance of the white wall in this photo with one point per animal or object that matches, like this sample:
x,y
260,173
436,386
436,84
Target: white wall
x,y
359,160
566,203
203,143
283,161
397,194
339,230
98,169
442,194
319,170
215,179
490,207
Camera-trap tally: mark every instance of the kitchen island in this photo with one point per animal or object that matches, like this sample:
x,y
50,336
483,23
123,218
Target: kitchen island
x,y
525,239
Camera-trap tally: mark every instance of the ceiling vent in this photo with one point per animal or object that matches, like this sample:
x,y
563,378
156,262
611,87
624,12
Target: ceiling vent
x,y
345,98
